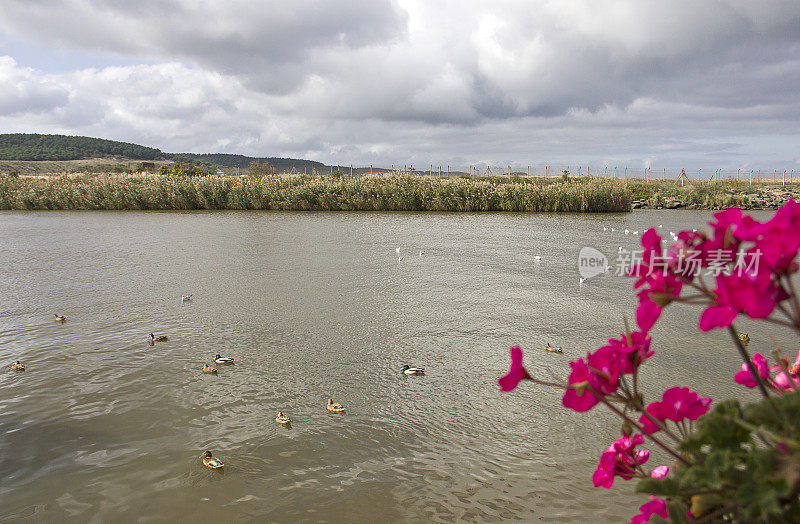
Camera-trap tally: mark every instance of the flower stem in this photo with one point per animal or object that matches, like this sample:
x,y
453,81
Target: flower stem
x,y
754,371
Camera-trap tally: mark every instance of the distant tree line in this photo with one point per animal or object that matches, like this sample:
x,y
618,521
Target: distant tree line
x,y
26,146
226,160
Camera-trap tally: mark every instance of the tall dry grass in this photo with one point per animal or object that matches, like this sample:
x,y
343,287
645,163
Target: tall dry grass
x,y
368,193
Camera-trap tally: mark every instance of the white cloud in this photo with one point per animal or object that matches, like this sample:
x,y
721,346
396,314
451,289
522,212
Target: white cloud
x,y
383,81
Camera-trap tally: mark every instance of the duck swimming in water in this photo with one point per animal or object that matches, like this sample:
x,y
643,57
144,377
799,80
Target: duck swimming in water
x,y
17,366
282,419
408,370
223,360
553,349
211,462
59,318
208,370
160,338
333,407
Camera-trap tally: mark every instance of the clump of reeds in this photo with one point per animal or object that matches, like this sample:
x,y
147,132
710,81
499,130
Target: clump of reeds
x,y
306,193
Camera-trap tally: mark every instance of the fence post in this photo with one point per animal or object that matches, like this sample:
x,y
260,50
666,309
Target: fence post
x,y
784,178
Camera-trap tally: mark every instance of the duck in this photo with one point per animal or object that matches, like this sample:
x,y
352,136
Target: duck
x,y
408,370
208,370
186,298
744,338
582,280
223,360
160,338
332,407
211,462
553,349
59,318
537,257
282,419
421,252
17,366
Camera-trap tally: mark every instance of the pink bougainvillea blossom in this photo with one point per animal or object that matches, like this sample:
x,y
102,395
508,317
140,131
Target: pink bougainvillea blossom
x,y
516,373
745,378
656,506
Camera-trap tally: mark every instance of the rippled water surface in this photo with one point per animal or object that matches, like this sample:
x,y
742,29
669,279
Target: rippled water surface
x,y
102,427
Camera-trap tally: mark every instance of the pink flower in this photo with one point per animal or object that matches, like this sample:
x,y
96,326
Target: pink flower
x,y
516,373
753,294
660,472
656,506
786,382
654,409
683,403
745,378
606,365
676,404
578,397
779,239
647,313
620,459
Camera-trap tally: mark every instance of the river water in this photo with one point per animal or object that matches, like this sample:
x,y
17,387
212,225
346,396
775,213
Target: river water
x,y
103,427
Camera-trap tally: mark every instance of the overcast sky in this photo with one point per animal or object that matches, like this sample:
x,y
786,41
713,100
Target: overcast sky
x,y
680,83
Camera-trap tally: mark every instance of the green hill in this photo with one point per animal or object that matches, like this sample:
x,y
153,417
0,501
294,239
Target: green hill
x,y
37,147
26,146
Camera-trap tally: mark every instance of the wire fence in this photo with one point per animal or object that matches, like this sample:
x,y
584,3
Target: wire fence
x,y
774,176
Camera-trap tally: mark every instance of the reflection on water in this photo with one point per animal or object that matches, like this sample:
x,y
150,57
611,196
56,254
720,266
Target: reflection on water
x,y
103,426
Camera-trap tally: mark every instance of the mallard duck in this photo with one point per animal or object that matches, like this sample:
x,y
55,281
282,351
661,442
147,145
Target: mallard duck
x,y
17,366
59,318
282,419
160,338
554,349
744,338
211,462
408,370
333,407
223,360
186,298
209,370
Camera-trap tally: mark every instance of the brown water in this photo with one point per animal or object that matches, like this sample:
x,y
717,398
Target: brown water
x,y
102,427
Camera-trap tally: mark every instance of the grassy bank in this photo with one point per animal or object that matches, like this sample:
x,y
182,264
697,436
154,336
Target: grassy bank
x,y
369,193
710,195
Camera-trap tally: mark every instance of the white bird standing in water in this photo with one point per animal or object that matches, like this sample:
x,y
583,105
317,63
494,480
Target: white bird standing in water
x,y
397,250
537,257
627,231
421,252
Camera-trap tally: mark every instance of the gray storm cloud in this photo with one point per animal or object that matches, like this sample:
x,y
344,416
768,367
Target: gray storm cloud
x,y
283,74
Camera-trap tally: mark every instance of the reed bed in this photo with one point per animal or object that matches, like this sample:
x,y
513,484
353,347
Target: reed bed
x,y
305,193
